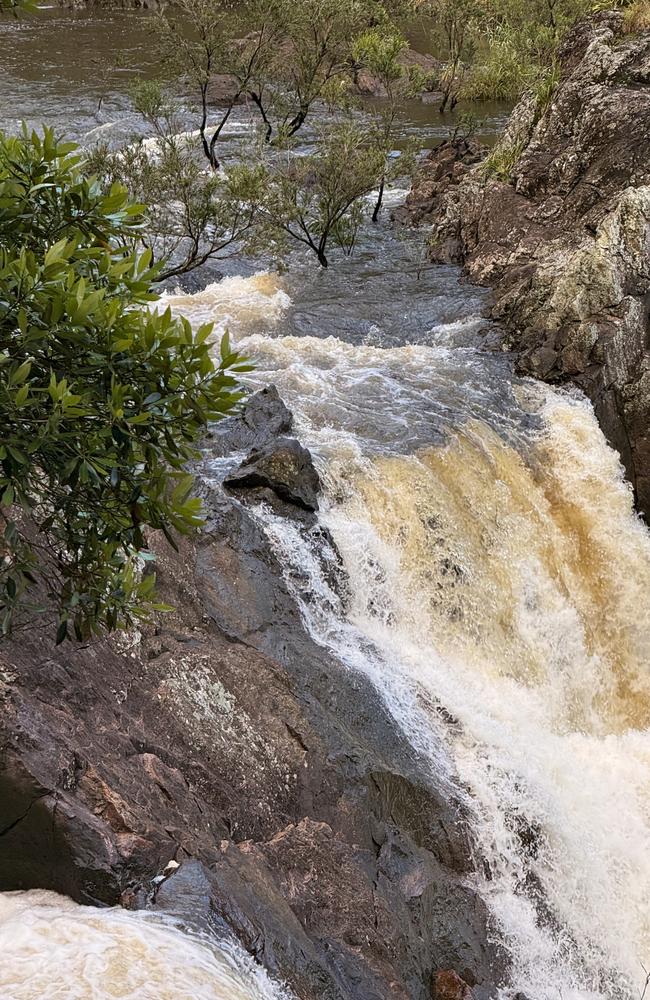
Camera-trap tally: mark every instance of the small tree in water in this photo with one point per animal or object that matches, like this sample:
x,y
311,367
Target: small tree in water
x,y
102,398
318,200
193,214
281,58
381,52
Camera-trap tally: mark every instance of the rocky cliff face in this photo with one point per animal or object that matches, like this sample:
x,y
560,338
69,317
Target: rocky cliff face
x,y
224,739
557,220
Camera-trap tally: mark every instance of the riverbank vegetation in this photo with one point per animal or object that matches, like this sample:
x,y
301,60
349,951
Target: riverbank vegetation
x,y
102,397
495,49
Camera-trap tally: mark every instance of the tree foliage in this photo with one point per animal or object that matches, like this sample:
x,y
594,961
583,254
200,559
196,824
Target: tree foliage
x,y
380,51
496,49
281,58
318,199
192,214
102,397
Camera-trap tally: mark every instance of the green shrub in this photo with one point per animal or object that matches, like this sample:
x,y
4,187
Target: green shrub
x,y
102,399
501,161
504,75
546,88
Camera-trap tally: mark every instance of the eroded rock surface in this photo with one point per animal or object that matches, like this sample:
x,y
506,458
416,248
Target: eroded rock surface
x,y
284,467
225,739
558,222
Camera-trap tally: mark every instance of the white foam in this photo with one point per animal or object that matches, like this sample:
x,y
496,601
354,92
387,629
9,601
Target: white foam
x,y
53,948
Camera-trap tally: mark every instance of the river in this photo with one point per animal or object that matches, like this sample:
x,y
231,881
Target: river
x,y
495,567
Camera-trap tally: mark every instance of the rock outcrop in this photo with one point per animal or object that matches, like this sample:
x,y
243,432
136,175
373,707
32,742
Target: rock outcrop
x,y
223,738
441,169
557,221
284,467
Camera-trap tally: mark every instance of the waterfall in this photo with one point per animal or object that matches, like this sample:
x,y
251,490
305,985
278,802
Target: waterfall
x,y
514,594
495,568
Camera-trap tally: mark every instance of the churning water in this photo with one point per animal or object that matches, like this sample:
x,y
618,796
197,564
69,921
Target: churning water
x,y
495,567
53,948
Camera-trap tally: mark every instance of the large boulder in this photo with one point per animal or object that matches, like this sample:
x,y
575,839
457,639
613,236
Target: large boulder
x,y
557,221
262,418
284,467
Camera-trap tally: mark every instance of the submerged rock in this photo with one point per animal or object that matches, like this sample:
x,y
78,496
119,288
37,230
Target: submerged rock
x,y
284,467
557,221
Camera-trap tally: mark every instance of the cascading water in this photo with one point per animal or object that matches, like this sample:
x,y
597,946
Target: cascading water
x,y
495,567
53,948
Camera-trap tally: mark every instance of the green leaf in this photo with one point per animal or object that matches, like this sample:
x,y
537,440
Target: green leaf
x,y
21,396
56,251
20,374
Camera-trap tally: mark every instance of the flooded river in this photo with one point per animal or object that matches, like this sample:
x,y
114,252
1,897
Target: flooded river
x,y
493,559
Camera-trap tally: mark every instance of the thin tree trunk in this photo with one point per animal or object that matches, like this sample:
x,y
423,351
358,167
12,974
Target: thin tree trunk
x,y
257,100
380,199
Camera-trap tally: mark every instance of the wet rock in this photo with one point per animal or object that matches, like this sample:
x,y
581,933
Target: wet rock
x,y
284,467
558,223
224,739
442,168
448,985
262,418
222,767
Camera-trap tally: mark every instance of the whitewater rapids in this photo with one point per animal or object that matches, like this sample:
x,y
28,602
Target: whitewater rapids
x,y
495,568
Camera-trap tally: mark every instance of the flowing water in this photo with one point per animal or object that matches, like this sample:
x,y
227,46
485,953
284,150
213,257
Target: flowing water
x,y
72,69
494,565
54,948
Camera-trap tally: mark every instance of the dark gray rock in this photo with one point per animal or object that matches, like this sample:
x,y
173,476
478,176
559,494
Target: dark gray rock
x,y
223,736
284,467
262,418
